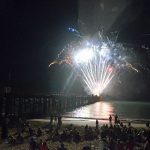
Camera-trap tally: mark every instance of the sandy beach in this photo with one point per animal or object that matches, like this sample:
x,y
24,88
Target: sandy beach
x,y
79,123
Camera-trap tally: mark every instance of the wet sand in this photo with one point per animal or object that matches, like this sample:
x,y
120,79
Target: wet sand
x,y
91,122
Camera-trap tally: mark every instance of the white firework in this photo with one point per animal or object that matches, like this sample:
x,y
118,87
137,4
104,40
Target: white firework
x,y
96,70
96,61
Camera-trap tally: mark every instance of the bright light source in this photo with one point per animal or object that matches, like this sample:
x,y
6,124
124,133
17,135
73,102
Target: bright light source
x,y
84,55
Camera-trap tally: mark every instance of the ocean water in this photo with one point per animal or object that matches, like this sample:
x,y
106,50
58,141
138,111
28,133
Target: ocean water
x,y
128,110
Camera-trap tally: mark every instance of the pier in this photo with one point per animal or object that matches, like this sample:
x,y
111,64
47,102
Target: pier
x,y
31,106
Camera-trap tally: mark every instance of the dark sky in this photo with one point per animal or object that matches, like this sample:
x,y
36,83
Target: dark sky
x,y
33,32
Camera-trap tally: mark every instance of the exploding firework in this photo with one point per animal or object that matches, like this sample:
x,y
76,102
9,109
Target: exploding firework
x,y
97,61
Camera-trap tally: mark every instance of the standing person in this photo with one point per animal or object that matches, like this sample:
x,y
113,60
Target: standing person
x,y
59,123
110,119
4,129
51,119
55,118
116,119
97,124
19,125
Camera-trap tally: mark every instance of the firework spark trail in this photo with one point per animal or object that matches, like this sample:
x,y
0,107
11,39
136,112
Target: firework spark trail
x,y
96,62
97,74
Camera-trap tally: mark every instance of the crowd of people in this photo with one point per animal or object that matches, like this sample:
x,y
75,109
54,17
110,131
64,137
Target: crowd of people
x,y
118,136
115,135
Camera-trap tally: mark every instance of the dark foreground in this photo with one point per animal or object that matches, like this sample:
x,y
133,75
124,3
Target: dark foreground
x,y
37,135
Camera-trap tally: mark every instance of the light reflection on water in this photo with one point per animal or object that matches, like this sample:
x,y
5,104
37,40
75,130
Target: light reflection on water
x,y
124,109
96,110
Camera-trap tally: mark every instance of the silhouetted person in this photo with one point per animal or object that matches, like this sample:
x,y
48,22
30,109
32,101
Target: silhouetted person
x,y
19,139
55,120
59,123
51,119
4,129
33,145
130,145
129,124
120,145
63,136
147,144
19,125
62,147
147,124
39,144
77,138
110,119
97,124
31,132
112,144
116,119
39,132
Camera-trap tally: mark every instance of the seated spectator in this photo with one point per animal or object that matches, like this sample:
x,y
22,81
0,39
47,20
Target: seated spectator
x,y
86,148
39,144
120,145
32,144
26,123
62,147
90,134
112,144
130,145
147,145
44,146
11,140
56,136
97,133
121,124
39,132
63,136
31,131
77,138
19,139
70,127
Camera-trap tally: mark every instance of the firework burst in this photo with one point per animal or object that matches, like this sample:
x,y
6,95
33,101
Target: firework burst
x,y
96,61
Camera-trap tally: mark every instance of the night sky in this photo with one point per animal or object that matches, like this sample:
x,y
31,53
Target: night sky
x,y
33,32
